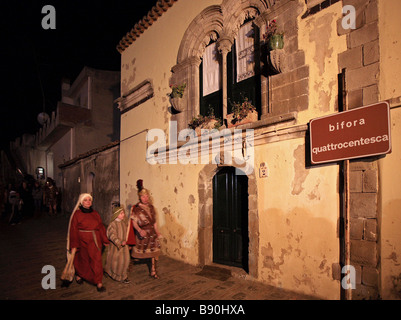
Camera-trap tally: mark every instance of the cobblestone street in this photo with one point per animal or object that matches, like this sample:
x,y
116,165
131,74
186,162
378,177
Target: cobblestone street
x,y
27,247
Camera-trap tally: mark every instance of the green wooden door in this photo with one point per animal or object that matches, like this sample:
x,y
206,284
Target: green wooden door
x,y
230,218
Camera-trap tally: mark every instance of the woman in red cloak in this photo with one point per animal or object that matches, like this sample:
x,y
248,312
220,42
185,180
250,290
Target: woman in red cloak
x,y
87,235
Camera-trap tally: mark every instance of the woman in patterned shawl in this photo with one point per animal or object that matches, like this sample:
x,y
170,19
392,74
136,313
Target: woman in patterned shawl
x,y
143,217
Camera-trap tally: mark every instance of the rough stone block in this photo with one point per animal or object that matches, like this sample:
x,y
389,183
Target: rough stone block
x,y
363,292
356,229
370,276
294,104
371,12
294,60
291,90
363,35
362,77
370,181
355,99
363,205
370,95
364,253
355,181
370,230
371,52
291,76
363,165
350,59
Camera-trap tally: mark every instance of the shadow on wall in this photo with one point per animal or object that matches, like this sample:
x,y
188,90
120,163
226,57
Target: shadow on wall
x,y
298,250
174,243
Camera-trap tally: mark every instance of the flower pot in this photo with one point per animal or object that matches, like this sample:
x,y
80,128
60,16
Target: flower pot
x,y
206,125
178,104
276,41
251,117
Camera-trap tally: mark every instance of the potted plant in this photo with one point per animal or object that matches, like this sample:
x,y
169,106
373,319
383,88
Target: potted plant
x,y
274,38
205,122
244,112
176,94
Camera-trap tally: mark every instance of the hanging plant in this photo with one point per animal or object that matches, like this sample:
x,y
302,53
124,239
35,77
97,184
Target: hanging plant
x,y
177,91
274,38
176,94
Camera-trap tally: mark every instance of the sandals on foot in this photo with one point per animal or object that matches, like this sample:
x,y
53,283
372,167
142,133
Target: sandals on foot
x,y
100,289
154,275
153,272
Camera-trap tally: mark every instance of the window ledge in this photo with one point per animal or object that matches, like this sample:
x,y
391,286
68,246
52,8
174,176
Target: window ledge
x,y
268,124
269,120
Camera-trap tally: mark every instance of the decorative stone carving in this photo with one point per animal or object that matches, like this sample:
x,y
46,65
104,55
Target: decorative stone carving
x,y
275,59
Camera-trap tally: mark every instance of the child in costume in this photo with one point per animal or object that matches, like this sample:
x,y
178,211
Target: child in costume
x,y
118,257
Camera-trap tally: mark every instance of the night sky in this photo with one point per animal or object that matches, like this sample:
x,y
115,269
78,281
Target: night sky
x,y
34,60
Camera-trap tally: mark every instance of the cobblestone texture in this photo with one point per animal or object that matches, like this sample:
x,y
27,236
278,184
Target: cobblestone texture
x,y
27,247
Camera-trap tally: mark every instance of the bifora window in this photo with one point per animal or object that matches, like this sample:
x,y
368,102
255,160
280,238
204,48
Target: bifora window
x,y
242,69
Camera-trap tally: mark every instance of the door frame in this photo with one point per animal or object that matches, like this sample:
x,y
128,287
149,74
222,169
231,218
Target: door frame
x,y
205,228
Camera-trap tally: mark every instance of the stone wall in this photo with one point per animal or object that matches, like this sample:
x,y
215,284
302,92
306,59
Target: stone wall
x,y
364,227
361,64
287,90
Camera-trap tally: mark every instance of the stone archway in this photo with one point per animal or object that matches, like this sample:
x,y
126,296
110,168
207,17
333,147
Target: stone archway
x,y
205,230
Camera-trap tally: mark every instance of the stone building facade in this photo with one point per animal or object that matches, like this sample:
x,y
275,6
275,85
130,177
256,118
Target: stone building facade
x,y
302,222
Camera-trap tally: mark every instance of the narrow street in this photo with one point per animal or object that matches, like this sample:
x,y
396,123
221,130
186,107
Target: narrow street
x,y
27,247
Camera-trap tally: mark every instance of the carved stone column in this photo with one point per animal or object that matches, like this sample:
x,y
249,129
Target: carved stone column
x,y
224,46
187,72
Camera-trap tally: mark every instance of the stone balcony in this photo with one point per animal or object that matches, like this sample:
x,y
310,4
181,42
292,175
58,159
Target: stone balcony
x,y
66,117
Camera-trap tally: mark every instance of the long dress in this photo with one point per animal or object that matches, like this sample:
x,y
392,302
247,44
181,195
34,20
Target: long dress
x,y
149,246
88,235
118,258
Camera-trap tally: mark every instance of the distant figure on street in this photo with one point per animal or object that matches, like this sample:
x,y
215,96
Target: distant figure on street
x,y
118,257
16,207
50,196
143,217
86,237
37,195
27,200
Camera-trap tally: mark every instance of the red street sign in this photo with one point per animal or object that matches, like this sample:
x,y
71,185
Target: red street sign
x,y
357,133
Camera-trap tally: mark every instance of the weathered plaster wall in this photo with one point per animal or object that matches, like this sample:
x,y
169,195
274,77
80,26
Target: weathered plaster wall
x,y
298,229
174,193
390,236
389,167
318,38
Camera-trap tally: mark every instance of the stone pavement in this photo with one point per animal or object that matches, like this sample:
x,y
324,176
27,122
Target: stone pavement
x,y
27,247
